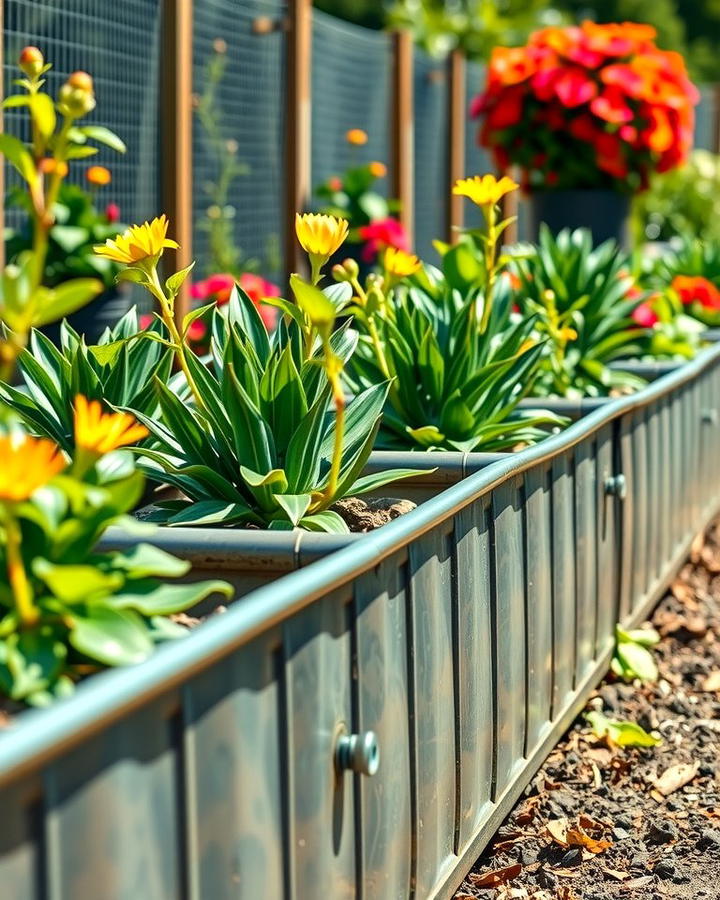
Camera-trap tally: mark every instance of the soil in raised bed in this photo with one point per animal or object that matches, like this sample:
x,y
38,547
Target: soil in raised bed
x,y
600,821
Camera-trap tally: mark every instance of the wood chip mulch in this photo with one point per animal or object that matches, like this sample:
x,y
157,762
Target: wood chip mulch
x,y
600,821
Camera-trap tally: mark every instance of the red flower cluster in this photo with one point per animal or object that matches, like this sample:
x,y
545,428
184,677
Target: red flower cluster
x,y
381,234
588,106
696,289
219,287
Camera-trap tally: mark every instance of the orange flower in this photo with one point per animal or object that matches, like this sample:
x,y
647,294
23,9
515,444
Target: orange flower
x,y
81,81
356,136
98,432
98,175
378,169
26,464
51,166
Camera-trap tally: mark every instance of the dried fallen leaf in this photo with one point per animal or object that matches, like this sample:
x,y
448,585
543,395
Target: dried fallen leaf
x,y
643,881
557,830
712,682
616,874
577,837
496,876
567,873
675,777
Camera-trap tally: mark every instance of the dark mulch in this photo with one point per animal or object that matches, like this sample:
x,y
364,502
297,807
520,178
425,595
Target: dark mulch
x,y
633,842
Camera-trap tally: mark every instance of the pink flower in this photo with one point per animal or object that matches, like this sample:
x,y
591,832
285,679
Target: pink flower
x,y
217,287
383,233
197,331
112,213
644,314
145,321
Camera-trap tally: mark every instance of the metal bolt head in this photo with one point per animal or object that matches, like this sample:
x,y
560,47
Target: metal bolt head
x,y
358,753
616,486
709,416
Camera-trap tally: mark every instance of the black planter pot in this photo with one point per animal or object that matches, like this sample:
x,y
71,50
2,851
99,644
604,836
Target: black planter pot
x,y
103,312
605,213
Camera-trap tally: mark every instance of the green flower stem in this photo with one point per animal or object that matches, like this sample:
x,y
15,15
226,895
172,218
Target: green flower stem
x,y
333,370
168,317
490,264
17,576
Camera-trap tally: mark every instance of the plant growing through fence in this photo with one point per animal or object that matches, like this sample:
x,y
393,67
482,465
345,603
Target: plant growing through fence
x,y
65,608
579,298
57,138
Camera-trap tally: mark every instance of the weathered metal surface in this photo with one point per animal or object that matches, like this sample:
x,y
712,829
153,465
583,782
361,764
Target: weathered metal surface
x,y
464,635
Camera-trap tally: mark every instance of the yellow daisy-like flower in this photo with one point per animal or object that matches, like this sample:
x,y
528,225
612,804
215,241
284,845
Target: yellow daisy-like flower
x,y
26,463
98,432
484,189
138,243
399,263
320,236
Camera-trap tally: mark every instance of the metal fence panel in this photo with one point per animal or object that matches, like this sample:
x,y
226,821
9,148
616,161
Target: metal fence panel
x,y
250,98
118,44
350,89
431,153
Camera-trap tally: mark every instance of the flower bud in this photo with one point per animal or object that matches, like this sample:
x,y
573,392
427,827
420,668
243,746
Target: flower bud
x,y
348,270
378,169
31,61
75,102
82,81
51,166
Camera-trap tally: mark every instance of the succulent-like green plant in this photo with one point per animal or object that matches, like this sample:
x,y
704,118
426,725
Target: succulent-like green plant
x,y
454,386
268,447
119,371
578,295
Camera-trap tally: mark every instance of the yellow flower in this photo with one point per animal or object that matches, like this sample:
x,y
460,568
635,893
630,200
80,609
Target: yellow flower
x,y
138,243
98,175
356,136
320,236
98,432
484,189
26,463
378,169
399,263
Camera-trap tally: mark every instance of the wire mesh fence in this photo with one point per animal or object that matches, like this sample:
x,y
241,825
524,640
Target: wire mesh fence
x,y
350,89
118,43
238,133
431,152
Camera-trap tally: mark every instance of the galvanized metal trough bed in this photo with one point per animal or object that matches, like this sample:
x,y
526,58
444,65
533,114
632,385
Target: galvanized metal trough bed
x,y
465,635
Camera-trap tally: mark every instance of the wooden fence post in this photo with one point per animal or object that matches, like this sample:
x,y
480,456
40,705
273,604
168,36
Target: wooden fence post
x,y
176,119
298,120
457,114
2,128
402,129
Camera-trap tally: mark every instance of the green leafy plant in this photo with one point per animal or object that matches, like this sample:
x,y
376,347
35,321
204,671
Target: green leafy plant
x,y
622,734
682,202
632,658
57,138
267,448
452,387
120,370
67,609
79,224
579,298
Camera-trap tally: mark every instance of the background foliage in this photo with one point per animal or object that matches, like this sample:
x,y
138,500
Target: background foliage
x,y
689,26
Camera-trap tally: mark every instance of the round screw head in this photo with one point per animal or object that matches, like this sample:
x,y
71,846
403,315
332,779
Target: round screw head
x,y
358,753
616,486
